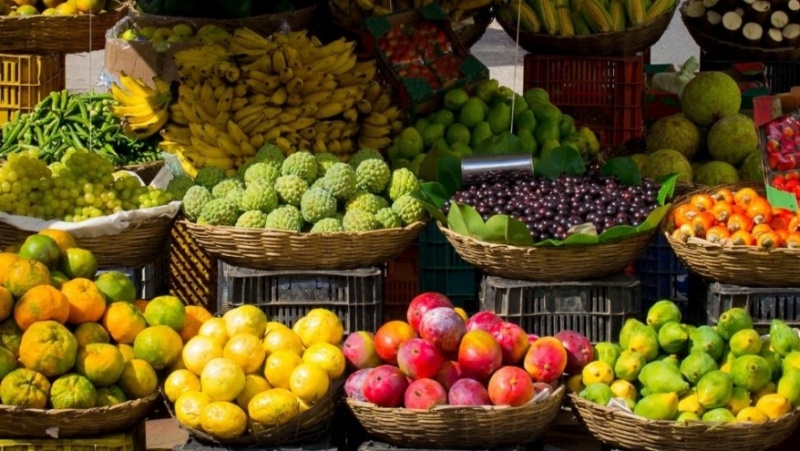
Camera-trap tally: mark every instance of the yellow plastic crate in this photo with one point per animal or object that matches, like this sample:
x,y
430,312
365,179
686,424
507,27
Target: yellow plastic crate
x,y
134,440
27,79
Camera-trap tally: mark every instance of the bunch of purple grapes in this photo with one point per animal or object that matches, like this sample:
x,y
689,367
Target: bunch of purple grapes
x,y
551,207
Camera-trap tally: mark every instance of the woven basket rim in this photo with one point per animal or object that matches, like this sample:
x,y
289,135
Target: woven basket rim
x,y
123,7
290,234
13,410
278,15
140,166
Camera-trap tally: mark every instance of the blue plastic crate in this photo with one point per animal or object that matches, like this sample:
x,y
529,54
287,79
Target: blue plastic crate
x,y
662,275
442,270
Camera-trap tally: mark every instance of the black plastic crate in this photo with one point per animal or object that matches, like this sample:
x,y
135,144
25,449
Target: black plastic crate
x,y
194,445
596,308
764,304
373,445
356,296
781,75
441,269
662,274
150,280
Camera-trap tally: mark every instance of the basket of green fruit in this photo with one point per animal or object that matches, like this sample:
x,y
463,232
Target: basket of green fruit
x,y
670,385
586,28
304,211
561,224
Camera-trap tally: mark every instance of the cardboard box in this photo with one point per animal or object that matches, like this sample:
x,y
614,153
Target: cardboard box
x,y
751,78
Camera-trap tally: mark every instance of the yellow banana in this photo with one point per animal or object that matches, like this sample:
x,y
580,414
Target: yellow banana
x,y
318,97
249,123
240,90
187,110
392,113
226,100
329,110
246,111
235,132
350,114
279,97
285,118
319,146
353,79
283,144
136,87
294,86
374,143
335,146
238,103
376,119
383,102
376,131
301,123
373,91
364,106
286,75
278,60
272,133
308,133
292,56
343,65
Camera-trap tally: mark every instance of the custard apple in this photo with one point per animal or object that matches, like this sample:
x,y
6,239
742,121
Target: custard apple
x,y
259,197
290,189
372,175
286,217
219,212
262,171
178,186
340,180
402,182
327,225
359,221
409,209
362,155
224,187
193,202
209,177
240,171
368,202
234,196
253,219
301,164
324,161
317,204
269,152
388,218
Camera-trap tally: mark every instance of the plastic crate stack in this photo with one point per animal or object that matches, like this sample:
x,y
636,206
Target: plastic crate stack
x,y
25,80
781,75
442,270
192,273
663,276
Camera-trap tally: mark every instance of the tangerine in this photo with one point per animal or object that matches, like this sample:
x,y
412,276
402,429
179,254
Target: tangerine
x,y
41,303
138,379
199,351
25,274
196,316
77,262
88,333
63,239
25,388
49,348
101,363
86,301
6,259
179,382
188,407
123,322
41,248
160,346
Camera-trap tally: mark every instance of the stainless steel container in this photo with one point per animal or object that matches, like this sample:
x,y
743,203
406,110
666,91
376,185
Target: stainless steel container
x,y
477,169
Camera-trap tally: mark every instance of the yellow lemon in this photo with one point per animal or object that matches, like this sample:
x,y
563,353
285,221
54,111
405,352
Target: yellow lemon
x,y
188,407
274,407
279,367
223,420
246,351
319,326
179,382
253,385
199,351
222,380
309,382
245,319
216,329
327,357
282,338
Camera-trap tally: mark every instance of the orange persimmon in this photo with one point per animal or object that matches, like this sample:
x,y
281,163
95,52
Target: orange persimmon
x,y
717,234
769,240
760,229
703,221
793,240
723,194
722,210
683,233
683,214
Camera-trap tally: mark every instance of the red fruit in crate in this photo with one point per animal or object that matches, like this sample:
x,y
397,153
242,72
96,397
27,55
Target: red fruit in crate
x,y
354,385
389,338
468,392
789,162
385,386
787,132
359,350
789,185
532,338
512,340
579,350
419,359
773,145
794,175
423,303
448,374
479,355
484,321
778,182
773,160
443,327
425,394
510,386
546,359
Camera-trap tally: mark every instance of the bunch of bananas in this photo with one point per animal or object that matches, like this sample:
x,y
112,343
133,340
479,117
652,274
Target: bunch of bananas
x,y
287,89
351,13
142,109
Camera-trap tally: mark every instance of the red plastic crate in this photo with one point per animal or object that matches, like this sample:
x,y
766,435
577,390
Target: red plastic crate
x,y
401,284
605,94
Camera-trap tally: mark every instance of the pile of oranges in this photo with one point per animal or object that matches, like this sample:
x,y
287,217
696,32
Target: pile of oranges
x,y
736,218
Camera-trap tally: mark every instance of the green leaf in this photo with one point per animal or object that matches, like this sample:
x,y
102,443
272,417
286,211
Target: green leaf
x,y
502,143
456,221
476,228
654,219
504,229
449,173
430,201
617,232
581,239
560,160
550,242
667,188
435,192
626,170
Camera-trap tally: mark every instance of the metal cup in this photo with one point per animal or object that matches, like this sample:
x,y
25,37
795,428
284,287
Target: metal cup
x,y
476,169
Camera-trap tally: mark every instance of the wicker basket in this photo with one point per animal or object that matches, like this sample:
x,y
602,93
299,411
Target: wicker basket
x,y
146,171
735,264
275,249
550,263
620,429
733,50
58,34
308,427
620,43
17,422
454,427
265,24
470,34
138,245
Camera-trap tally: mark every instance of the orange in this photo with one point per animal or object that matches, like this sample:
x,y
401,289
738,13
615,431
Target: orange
x,y
6,303
6,259
246,318
116,286
138,379
108,396
141,304
41,303
90,6
63,239
90,333
48,348
41,248
309,382
199,351
188,408
25,388
274,407
167,311
67,9
328,357
160,346
223,419
179,382
246,351
123,322
216,329
10,336
282,338
222,380
196,316
58,278
77,262
25,274
126,351
253,385
279,367
86,302
8,362
319,326
72,391
101,363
